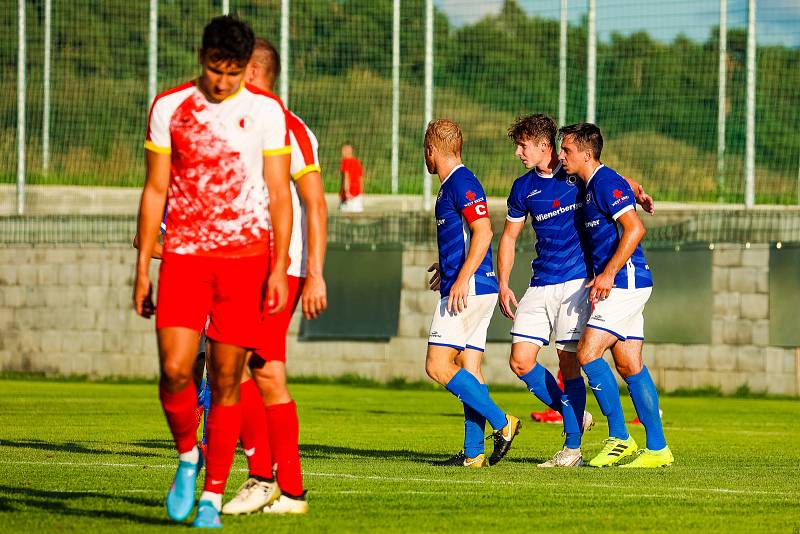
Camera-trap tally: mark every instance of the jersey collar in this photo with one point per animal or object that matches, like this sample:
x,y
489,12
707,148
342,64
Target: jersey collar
x,y
452,172
555,171
595,172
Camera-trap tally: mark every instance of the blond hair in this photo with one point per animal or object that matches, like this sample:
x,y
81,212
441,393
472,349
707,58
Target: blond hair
x,y
445,135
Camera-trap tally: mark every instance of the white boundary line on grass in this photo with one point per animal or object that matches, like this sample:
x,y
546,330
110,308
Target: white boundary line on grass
x,y
403,479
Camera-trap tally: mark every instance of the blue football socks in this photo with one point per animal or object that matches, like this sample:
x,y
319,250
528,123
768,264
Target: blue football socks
x,y
474,425
542,383
574,402
605,389
472,393
645,400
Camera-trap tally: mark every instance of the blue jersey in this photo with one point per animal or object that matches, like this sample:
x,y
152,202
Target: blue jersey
x,y
461,201
608,196
553,203
164,222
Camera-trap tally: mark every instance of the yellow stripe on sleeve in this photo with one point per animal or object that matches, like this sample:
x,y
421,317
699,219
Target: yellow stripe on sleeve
x,y
158,149
278,151
307,169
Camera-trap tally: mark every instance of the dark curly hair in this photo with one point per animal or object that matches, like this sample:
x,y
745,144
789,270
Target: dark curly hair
x,y
227,38
533,128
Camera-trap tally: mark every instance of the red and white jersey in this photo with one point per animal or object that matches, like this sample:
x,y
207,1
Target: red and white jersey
x,y
304,160
217,196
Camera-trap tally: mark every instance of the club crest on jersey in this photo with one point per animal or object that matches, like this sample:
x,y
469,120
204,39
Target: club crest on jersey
x,y
471,196
588,198
572,179
245,123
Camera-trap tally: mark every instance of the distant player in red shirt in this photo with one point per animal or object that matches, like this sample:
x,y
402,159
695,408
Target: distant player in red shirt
x,y
351,192
270,434
215,146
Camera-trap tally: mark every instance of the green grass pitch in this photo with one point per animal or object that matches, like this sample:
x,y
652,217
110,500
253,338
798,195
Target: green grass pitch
x,y
78,457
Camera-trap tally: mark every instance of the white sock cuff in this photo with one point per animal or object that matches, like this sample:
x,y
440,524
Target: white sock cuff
x,y
213,498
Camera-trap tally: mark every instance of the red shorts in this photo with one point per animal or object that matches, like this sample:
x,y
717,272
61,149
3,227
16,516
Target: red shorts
x,y
275,327
226,291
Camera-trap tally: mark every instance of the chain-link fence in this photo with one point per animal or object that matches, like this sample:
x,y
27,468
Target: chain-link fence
x,y
656,85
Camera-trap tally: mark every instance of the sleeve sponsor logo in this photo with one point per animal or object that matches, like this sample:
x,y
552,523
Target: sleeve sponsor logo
x,y
471,196
440,222
620,198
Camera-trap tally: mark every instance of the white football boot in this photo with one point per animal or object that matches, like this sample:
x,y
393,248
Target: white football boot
x,y
565,458
287,505
252,496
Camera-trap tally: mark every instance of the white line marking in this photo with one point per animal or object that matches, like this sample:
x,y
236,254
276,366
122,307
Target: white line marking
x,y
350,476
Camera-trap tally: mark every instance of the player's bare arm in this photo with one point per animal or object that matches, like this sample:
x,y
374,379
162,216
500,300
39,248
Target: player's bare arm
x,y
632,233
158,249
315,296
276,175
481,240
642,198
436,278
505,263
151,210
346,185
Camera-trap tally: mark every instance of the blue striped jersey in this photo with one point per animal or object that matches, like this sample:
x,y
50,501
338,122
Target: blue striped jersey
x,y
554,204
608,196
461,201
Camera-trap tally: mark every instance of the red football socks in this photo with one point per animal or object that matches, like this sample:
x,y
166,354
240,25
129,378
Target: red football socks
x,y
253,433
223,424
179,410
284,433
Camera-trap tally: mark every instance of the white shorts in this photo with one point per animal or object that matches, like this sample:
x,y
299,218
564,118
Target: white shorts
x,y
466,329
559,309
621,313
353,204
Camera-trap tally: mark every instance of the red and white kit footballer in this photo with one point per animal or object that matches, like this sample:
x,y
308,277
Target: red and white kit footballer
x,y
305,159
216,249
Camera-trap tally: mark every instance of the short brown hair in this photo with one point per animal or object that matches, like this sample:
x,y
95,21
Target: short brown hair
x,y
586,135
445,135
267,56
533,128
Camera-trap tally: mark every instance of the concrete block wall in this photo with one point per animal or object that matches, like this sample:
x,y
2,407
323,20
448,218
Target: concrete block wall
x,y
67,310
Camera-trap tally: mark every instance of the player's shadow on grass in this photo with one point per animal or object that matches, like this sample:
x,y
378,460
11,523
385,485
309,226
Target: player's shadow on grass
x,y
316,450
68,447
68,504
159,444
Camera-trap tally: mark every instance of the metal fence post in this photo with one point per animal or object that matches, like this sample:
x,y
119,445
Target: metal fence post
x,y
395,96
722,98
48,8
562,66
21,85
591,60
152,54
285,52
750,140
426,189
